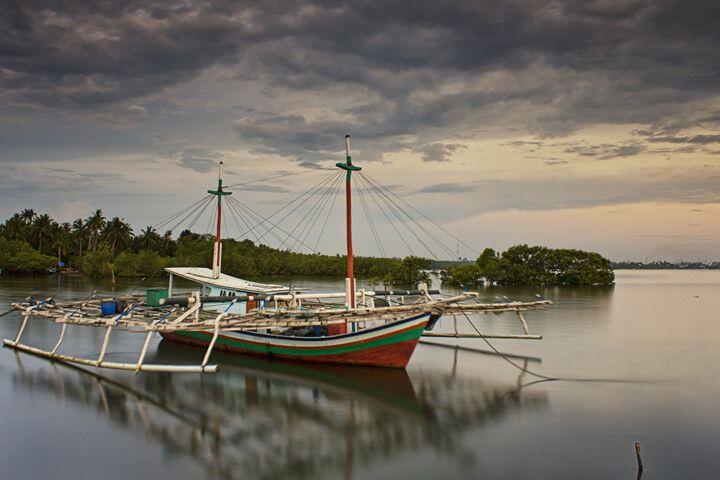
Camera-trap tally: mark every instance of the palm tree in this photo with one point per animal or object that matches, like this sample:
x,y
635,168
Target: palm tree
x,y
168,244
79,232
117,233
148,239
28,215
61,239
95,223
15,228
42,229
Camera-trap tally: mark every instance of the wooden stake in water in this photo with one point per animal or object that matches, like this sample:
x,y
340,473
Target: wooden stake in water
x,y
637,453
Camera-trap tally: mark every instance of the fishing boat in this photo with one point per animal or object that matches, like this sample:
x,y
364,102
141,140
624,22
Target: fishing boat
x,y
377,328
386,344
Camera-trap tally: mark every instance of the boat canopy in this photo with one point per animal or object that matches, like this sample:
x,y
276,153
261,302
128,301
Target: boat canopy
x,y
204,276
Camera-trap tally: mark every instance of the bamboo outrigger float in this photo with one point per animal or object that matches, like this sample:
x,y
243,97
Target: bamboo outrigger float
x,y
235,315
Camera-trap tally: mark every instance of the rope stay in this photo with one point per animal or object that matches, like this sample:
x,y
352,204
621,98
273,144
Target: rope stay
x,y
422,214
314,209
407,227
327,217
259,218
194,214
371,223
172,217
249,182
387,217
302,198
240,218
245,211
317,211
414,221
211,221
319,201
199,214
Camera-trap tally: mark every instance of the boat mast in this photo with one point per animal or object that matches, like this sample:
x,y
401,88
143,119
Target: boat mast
x,y
350,278
217,250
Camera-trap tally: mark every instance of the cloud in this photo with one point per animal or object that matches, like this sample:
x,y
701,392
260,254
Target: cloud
x,y
310,164
693,186
198,159
696,139
20,181
555,162
262,187
284,81
607,151
438,152
405,76
524,143
452,187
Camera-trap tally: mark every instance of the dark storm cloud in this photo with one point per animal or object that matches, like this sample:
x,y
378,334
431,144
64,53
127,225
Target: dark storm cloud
x,y
426,71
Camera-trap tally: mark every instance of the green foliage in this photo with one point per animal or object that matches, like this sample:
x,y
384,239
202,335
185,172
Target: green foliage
x,y
466,275
536,265
488,265
98,264
142,264
103,248
17,256
408,272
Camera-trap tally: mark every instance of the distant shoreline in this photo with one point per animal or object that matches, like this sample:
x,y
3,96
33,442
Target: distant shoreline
x,y
714,266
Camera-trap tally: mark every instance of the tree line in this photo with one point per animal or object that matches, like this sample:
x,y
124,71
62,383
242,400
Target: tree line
x,y
106,248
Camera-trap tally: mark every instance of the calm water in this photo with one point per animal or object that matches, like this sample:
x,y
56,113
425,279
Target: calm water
x,y
642,356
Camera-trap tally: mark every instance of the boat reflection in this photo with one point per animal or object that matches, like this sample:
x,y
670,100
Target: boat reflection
x,y
259,418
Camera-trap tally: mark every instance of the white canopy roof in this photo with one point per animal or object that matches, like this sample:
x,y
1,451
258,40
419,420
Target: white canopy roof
x,y
204,276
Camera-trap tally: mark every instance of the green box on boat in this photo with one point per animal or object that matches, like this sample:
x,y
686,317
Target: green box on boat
x,y
153,296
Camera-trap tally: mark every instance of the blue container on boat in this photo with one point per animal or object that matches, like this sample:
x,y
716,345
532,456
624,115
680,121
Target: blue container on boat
x,y
109,307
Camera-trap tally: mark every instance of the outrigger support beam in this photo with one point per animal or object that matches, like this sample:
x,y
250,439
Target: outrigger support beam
x,y
475,335
100,362
111,365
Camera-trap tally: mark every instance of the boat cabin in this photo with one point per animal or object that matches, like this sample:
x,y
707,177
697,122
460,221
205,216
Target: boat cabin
x,y
224,285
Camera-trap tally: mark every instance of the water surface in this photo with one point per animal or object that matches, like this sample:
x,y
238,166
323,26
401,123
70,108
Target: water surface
x,y
640,361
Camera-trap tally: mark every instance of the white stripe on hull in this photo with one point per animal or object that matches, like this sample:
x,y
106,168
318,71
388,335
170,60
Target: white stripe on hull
x,y
315,342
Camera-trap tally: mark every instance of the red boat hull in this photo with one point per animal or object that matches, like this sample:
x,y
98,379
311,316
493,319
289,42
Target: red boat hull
x,y
386,346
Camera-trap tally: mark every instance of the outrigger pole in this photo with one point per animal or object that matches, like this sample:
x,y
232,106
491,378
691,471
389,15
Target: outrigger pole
x,y
217,251
350,279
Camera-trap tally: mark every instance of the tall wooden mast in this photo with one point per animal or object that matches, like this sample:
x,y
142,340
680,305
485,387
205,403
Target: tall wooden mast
x,y
350,278
217,250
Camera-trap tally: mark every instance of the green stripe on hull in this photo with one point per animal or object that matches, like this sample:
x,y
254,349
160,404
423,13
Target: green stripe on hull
x,y
412,334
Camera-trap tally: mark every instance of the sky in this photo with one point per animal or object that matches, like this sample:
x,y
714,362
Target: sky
x,y
592,125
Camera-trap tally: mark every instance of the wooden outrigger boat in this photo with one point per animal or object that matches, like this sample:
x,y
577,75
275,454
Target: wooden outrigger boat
x,y
236,315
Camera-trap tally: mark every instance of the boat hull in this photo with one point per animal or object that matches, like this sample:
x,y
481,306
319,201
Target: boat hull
x,y
389,345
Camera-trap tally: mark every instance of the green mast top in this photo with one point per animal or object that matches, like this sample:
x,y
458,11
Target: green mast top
x,y
219,192
348,166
